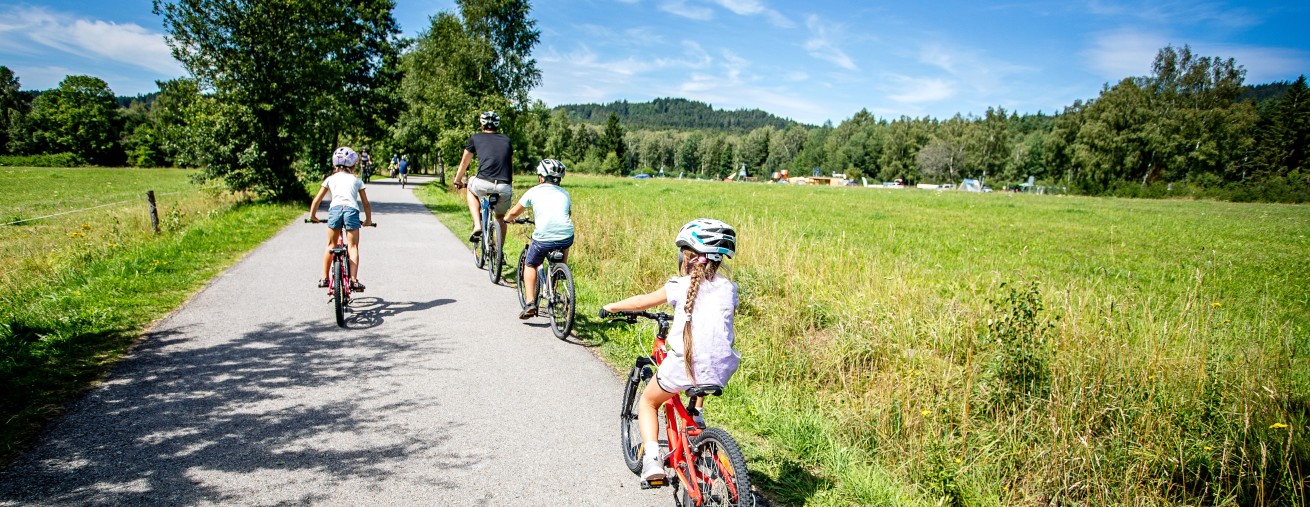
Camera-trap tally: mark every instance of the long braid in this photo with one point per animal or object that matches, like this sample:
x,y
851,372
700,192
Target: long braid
x,y
699,271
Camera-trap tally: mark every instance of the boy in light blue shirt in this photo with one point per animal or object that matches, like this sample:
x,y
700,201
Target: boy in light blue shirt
x,y
552,210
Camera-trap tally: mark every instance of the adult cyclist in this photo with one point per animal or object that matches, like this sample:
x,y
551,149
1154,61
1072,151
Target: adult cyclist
x,y
494,176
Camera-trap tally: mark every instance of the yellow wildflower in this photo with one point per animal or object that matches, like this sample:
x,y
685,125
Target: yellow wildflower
x,y
1277,426
925,412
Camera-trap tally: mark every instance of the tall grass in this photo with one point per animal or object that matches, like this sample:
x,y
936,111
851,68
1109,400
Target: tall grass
x,y
905,347
79,288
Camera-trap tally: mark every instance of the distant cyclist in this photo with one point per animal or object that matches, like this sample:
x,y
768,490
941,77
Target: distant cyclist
x,y
402,168
343,213
366,160
495,172
552,211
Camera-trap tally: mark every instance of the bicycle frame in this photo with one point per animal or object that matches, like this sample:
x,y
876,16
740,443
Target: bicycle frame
x,y
682,420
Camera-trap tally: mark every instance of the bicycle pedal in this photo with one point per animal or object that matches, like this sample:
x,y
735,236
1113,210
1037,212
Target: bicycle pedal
x,y
655,483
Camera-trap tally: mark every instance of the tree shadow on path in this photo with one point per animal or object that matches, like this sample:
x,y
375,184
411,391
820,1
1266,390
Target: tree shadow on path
x,y
279,410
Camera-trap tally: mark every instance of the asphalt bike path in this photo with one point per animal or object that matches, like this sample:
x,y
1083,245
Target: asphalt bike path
x,y
436,394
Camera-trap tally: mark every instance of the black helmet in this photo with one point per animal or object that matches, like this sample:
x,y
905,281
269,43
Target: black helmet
x,y
489,119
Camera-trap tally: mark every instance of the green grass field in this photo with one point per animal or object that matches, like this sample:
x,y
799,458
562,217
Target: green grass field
x,y
915,347
78,289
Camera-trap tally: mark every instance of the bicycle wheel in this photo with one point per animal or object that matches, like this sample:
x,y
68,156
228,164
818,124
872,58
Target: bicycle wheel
x,y
495,260
338,292
629,432
721,469
562,300
523,266
480,251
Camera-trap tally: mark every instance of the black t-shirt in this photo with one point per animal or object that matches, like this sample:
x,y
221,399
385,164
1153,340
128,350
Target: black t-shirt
x,y
494,153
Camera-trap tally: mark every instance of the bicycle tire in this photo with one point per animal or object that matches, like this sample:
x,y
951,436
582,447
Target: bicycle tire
x,y
495,258
563,300
338,292
629,432
523,266
721,470
480,251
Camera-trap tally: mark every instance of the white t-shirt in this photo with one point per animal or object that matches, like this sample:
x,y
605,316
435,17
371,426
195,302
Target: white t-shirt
x,y
714,359
345,189
551,211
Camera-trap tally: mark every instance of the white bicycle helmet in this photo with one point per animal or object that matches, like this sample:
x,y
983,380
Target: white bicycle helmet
x,y
708,237
344,156
550,168
489,119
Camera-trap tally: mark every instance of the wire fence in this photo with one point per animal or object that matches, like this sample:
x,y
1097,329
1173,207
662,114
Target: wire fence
x,y
62,213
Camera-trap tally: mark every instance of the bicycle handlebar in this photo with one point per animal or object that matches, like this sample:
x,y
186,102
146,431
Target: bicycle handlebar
x,y
631,316
308,221
522,220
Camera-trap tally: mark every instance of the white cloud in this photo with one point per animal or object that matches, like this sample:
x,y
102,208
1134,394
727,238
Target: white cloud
x,y
1176,13
1123,53
912,90
753,7
680,8
92,39
1129,53
820,44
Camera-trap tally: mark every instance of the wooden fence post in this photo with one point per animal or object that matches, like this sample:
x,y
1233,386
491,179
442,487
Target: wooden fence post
x,y
154,211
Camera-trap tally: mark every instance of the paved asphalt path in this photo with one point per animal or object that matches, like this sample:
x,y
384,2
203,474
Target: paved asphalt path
x,y
436,394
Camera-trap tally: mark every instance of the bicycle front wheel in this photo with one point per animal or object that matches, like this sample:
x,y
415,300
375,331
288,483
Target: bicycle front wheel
x,y
629,431
721,470
495,261
562,300
338,292
480,252
519,283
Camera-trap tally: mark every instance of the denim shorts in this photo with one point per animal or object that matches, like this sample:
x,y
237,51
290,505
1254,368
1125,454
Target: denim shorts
x,y
537,250
343,215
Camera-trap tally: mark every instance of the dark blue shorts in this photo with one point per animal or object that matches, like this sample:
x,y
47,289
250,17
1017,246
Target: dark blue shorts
x,y
537,250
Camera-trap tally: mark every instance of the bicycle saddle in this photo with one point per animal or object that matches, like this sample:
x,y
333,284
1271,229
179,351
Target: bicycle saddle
x,y
556,256
705,390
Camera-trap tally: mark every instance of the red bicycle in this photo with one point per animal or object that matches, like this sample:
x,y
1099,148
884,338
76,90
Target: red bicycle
x,y
706,463
339,276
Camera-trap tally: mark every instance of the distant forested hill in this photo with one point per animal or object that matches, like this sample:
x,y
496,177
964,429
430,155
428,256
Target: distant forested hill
x,y
1265,92
671,113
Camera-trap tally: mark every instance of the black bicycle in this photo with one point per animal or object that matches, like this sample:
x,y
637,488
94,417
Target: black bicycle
x,y
488,255
339,277
554,290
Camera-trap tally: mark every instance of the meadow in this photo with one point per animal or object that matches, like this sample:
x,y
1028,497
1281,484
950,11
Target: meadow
x,y
77,289
909,347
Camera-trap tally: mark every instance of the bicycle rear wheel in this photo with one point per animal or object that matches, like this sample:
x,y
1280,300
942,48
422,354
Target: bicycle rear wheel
x,y
721,470
495,260
523,265
562,300
629,432
338,292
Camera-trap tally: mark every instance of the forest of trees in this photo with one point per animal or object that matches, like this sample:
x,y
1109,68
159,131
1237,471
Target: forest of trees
x,y
263,119
675,113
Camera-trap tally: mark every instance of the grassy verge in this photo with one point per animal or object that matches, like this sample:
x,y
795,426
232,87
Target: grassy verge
x,y
101,277
914,347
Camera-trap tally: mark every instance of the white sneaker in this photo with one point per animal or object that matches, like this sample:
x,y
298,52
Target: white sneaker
x,y
651,468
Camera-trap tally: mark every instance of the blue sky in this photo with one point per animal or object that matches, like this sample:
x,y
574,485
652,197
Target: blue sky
x,y
810,61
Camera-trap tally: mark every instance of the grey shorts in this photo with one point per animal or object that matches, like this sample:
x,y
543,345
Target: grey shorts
x,y
482,188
